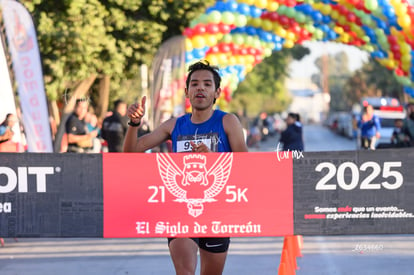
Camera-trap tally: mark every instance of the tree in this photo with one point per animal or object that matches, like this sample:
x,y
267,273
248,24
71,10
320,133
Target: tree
x,y
334,71
372,79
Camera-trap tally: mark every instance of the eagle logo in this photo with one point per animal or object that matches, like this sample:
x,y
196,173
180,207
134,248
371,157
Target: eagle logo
x,y
195,184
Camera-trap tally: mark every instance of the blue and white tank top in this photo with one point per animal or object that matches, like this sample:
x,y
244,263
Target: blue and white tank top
x,y
210,132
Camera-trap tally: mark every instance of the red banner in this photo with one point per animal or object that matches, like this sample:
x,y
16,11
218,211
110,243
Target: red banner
x,y
203,195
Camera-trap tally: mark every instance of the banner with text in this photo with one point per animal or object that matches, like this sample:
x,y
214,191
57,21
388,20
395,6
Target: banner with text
x,y
204,195
22,43
51,195
358,192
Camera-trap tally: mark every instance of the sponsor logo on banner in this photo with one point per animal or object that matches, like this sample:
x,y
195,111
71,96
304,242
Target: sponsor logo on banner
x,y
194,188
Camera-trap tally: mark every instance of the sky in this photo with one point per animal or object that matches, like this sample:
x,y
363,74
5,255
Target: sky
x,y
305,67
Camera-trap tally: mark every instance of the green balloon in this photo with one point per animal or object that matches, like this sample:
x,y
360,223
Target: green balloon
x,y
227,17
300,17
290,12
371,5
240,20
282,10
214,17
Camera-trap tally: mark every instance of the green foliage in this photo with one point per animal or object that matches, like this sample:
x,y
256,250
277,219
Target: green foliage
x,y
372,79
80,38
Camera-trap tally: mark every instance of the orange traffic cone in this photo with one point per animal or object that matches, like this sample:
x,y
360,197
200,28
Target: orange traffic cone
x,y
289,244
286,264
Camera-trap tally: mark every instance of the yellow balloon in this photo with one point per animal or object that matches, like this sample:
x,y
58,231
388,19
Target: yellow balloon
x,y
267,25
404,48
344,37
239,59
400,9
232,60
404,21
188,45
212,59
272,6
290,36
198,41
256,22
249,67
222,59
249,59
342,20
280,31
211,40
288,44
325,9
335,14
338,30
261,3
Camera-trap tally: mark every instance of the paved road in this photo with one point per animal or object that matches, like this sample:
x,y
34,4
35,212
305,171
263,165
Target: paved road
x,y
353,255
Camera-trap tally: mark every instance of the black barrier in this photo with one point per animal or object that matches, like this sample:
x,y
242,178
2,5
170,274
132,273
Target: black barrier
x,y
352,192
51,195
358,192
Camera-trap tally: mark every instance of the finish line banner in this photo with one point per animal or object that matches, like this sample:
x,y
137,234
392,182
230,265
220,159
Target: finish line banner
x,y
188,195
229,194
359,192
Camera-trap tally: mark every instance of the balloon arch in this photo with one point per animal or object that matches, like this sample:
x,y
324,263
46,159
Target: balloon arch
x,y
237,35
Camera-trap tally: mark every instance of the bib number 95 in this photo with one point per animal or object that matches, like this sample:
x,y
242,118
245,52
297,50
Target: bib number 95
x,y
392,179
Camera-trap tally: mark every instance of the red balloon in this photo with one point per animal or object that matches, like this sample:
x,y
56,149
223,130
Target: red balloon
x,y
223,47
395,47
188,32
252,51
243,51
274,16
392,39
284,20
199,29
290,3
214,49
223,28
212,28
351,17
399,72
342,10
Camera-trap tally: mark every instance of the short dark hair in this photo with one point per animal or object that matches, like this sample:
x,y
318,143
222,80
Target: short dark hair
x,y
117,103
204,65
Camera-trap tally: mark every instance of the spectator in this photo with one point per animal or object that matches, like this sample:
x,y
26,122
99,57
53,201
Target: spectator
x,y
408,124
114,127
6,131
80,140
399,138
92,124
370,126
292,137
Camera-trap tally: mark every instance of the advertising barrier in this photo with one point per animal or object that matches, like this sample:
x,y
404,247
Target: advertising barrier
x,y
51,195
132,195
358,192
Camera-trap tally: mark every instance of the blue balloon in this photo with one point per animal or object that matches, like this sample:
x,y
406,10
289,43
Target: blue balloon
x,y
188,57
231,6
317,16
251,30
243,9
220,6
255,12
326,19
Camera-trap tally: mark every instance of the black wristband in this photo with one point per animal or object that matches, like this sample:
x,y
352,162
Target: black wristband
x,y
130,123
